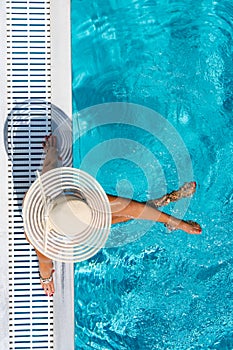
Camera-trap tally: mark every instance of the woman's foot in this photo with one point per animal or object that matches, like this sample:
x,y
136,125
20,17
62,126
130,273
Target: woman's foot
x,y
186,190
187,226
46,277
51,151
50,141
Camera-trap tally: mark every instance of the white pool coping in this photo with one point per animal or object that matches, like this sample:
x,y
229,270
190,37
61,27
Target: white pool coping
x,y
62,98
4,340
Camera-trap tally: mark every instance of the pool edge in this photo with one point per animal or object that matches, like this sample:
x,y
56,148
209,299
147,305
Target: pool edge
x,y
63,302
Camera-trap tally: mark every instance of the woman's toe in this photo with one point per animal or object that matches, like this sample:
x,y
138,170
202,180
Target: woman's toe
x,y
49,289
194,227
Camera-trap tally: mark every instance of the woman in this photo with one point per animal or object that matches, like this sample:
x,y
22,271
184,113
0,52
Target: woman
x,y
123,209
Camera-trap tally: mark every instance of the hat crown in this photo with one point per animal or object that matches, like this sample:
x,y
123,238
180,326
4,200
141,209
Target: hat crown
x,y
69,215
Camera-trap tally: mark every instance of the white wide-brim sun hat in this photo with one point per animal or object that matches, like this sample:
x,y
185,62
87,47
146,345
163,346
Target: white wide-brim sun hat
x,y
67,215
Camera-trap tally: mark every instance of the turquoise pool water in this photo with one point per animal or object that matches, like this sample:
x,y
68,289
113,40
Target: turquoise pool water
x,y
156,290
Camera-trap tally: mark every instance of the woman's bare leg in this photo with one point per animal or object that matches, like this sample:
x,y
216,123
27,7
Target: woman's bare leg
x,y
46,272
50,162
46,264
124,209
187,190
51,157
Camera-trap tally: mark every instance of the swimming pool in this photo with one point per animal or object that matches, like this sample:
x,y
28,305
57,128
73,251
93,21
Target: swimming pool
x,y
156,290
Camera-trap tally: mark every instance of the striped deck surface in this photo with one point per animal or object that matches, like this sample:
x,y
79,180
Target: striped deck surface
x,y
32,104
28,120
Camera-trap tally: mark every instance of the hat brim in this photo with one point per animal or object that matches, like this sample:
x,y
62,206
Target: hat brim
x,y
53,240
